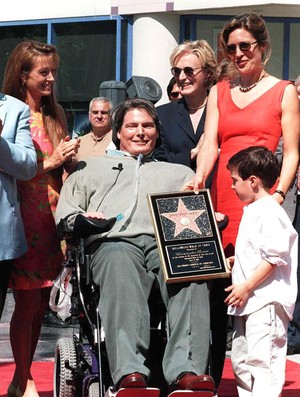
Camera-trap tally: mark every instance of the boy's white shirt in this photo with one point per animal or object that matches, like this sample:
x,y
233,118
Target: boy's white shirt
x,y
266,232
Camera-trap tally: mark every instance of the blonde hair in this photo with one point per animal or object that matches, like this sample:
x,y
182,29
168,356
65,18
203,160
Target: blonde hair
x,y
204,53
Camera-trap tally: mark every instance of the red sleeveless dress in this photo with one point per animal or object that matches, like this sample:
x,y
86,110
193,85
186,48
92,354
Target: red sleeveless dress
x,y
259,123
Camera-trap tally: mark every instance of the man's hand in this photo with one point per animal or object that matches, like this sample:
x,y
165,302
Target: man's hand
x,y
230,262
94,215
219,216
194,153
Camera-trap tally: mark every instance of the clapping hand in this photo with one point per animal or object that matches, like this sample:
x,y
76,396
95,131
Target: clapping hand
x,y
65,151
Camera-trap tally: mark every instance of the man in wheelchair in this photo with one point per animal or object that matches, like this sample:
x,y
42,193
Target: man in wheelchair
x,y
125,262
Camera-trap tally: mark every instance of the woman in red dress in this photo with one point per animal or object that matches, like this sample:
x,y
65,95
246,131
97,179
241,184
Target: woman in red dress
x,y
29,76
247,107
252,109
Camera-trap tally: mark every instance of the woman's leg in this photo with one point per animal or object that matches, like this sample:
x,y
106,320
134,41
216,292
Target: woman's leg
x,y
24,334
38,320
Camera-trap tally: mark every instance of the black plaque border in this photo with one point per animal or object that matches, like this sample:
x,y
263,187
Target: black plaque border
x,y
172,275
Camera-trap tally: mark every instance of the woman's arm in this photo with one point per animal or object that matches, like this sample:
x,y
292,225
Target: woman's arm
x,y
66,149
290,133
208,148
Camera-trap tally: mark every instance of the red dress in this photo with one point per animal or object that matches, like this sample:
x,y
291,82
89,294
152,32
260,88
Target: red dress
x,y
40,265
259,123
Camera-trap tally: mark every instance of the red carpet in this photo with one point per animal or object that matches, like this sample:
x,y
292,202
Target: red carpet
x,y
291,387
43,375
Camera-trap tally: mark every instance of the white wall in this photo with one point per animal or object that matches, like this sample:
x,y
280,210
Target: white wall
x,y
18,10
154,38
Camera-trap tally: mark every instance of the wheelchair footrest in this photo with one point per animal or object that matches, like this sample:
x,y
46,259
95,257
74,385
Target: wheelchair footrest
x,y
191,393
134,392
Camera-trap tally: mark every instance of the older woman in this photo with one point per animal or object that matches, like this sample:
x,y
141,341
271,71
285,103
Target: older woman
x,y
182,122
30,75
254,108
182,125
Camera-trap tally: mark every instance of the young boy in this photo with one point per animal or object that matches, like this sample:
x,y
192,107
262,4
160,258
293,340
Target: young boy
x,y
264,283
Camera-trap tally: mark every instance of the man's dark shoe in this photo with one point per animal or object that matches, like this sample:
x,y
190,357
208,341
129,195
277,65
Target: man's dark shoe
x,y
133,380
51,319
191,381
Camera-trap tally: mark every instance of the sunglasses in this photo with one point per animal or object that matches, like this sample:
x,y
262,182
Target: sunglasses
x,y
243,46
174,94
188,71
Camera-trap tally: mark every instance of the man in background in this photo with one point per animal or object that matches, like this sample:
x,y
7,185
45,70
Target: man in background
x,y
97,140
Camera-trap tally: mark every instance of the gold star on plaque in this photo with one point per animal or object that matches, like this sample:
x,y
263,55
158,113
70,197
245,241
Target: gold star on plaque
x,y
184,219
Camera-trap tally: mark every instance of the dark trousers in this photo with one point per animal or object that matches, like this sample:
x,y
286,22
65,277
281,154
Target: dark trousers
x,y
218,327
5,270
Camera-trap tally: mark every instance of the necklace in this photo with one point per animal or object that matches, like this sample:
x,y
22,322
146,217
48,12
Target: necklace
x,y
249,87
199,107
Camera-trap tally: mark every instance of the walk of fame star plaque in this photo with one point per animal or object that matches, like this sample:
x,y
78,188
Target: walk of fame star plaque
x,y
187,236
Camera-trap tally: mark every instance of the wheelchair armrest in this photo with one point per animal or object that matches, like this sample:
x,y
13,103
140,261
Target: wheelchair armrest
x,y
85,227
63,230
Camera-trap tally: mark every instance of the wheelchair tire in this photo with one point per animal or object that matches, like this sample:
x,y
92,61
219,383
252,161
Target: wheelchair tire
x,y
65,358
94,390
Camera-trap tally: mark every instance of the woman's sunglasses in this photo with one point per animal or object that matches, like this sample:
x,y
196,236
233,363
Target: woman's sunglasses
x,y
188,71
243,46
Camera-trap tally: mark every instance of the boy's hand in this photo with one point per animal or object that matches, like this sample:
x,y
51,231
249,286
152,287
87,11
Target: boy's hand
x,y
238,296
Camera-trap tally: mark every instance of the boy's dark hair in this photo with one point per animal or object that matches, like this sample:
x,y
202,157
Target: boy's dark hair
x,y
258,161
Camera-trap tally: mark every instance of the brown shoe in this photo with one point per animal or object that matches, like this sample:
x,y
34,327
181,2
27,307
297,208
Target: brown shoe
x,y
133,380
191,381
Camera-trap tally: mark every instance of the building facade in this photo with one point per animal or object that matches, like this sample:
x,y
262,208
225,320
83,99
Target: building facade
x,y
112,40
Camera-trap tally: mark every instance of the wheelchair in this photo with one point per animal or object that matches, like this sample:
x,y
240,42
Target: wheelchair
x,y
81,365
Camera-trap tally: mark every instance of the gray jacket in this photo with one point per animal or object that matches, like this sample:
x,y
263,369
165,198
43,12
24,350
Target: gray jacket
x,y
99,185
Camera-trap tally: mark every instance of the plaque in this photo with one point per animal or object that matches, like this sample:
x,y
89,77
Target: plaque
x,y
188,237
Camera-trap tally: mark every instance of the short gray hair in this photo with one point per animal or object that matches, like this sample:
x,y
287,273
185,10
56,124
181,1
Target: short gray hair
x,y
101,99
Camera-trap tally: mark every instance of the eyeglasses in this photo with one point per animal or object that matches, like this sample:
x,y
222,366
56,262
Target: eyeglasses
x,y
188,71
103,112
243,46
174,94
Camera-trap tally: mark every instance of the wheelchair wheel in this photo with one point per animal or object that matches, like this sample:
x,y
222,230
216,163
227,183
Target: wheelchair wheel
x,y
65,359
94,390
